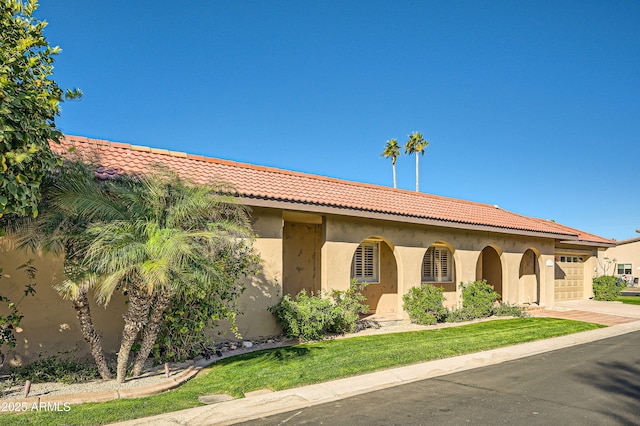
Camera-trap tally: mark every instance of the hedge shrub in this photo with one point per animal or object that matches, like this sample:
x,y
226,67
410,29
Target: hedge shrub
x,y
606,288
424,304
311,317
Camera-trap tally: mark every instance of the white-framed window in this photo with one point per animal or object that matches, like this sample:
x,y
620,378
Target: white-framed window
x,y
624,269
437,265
365,266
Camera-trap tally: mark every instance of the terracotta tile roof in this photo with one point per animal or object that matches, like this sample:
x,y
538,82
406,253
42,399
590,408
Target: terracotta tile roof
x,y
264,183
628,241
582,236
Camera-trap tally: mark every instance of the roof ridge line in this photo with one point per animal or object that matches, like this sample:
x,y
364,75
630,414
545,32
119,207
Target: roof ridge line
x,y
197,157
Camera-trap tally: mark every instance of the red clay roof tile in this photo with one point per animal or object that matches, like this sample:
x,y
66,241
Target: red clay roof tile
x,y
283,185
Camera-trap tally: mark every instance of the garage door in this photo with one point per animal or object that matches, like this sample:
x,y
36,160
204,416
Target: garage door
x,y
569,278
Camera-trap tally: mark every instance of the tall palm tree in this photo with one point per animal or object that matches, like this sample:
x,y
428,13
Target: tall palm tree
x,y
62,231
416,145
169,241
392,149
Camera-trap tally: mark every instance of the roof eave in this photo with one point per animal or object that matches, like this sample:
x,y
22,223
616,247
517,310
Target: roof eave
x,y
342,211
589,243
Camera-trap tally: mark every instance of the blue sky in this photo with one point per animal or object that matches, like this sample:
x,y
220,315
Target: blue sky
x,y
533,106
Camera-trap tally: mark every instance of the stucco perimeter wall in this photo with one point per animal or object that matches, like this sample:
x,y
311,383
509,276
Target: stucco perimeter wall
x,y
409,244
50,326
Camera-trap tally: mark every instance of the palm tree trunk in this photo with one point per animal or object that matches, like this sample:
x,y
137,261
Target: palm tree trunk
x,y
81,305
134,321
394,177
417,174
150,332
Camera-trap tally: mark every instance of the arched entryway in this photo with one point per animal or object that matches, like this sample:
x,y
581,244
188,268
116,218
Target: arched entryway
x,y
374,263
489,268
529,282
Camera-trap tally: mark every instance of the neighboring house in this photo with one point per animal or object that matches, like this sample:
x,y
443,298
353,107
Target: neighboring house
x,y
623,260
318,233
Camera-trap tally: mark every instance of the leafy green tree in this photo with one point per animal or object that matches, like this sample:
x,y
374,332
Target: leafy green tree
x,y
416,145
392,150
173,237
29,102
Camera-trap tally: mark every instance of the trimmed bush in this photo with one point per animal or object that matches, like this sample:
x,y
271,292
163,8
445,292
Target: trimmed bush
x,y
606,288
424,304
479,301
347,307
479,298
311,317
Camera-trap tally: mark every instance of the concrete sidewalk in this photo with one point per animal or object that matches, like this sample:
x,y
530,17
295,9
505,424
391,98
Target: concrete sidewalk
x,y
262,404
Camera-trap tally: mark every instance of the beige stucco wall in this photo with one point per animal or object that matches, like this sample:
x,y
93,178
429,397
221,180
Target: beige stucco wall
x,y
410,242
302,245
382,296
265,289
623,253
50,326
299,250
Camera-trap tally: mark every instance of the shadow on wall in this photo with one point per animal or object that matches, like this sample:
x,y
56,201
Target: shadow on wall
x,y
50,326
254,320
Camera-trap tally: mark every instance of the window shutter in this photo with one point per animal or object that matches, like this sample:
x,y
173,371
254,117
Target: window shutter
x,y
437,265
444,265
365,262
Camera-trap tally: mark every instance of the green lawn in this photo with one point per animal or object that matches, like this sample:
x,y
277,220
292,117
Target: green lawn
x,y
632,300
305,364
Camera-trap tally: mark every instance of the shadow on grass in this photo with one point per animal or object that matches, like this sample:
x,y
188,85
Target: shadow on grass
x,y
280,354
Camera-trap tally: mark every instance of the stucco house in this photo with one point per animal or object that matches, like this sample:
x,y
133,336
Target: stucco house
x,y
318,233
622,260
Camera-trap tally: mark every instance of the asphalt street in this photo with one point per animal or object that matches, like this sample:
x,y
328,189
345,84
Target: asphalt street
x,y
591,384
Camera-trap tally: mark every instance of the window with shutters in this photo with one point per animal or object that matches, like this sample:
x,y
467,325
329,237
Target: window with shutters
x,y
365,265
437,265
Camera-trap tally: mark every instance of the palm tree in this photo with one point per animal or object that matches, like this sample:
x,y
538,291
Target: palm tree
x,y
416,145
392,149
169,240
61,231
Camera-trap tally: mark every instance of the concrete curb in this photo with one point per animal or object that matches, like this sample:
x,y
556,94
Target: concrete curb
x,y
257,406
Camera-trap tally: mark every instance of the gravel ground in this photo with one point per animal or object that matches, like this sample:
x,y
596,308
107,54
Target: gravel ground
x,y
151,376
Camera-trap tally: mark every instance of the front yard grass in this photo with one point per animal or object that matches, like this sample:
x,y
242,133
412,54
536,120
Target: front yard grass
x,y
632,300
317,362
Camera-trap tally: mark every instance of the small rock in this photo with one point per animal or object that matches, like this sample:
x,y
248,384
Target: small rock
x,y
233,347
247,344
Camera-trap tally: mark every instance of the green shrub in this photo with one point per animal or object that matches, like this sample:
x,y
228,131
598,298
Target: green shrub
x,y
479,298
311,317
606,288
347,307
504,309
460,315
424,304
54,369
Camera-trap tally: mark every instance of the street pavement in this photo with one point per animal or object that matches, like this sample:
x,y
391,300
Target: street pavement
x,y
591,384
261,404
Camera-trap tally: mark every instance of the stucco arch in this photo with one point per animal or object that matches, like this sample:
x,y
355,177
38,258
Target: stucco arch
x,y
453,263
491,267
452,250
382,294
529,277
